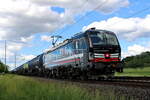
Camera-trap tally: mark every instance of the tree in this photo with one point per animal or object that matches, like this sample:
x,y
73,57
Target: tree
x,y
138,61
3,67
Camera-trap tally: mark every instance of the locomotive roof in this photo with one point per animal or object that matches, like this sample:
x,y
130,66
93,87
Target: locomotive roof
x,y
94,30
76,36
59,45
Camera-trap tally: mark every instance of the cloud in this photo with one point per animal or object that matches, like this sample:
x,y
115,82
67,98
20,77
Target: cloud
x,y
23,18
135,50
80,6
46,38
14,47
27,57
128,28
27,39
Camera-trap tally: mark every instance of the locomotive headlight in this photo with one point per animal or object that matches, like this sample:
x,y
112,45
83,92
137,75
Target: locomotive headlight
x,y
107,55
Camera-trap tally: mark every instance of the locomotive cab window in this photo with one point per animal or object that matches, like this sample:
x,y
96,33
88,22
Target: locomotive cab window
x,y
103,38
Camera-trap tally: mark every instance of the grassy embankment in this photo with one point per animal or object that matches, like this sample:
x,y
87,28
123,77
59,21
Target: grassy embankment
x,y
13,87
135,72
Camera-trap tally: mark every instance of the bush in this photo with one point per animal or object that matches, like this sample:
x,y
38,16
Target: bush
x,y
3,67
138,61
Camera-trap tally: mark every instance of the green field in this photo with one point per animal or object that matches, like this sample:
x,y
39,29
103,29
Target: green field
x,y
135,72
13,87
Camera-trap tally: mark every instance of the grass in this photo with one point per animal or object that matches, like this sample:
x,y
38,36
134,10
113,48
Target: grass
x,y
13,87
135,72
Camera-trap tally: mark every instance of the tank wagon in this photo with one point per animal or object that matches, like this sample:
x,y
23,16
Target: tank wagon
x,y
90,53
32,67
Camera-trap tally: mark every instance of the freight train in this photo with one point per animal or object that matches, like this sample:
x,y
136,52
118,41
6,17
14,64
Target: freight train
x,y
87,54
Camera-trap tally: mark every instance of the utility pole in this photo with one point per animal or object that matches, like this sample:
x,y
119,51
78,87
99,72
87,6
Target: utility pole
x,y
15,59
55,39
5,54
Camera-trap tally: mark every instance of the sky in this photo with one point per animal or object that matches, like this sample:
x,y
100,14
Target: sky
x,y
27,25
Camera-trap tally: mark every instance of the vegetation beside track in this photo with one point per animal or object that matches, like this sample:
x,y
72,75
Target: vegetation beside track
x,y
13,87
138,65
135,72
3,67
138,61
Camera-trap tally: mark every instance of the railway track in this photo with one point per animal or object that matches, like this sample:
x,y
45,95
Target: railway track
x,y
132,79
143,82
136,81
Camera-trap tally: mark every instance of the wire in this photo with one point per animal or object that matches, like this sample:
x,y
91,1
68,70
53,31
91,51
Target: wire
x,y
140,11
81,9
14,41
132,15
99,6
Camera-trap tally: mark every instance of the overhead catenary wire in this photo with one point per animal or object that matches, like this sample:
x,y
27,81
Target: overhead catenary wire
x,y
5,57
58,36
82,17
82,7
101,5
132,15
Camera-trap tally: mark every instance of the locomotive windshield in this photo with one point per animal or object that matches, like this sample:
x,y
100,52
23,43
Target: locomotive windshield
x,y
103,38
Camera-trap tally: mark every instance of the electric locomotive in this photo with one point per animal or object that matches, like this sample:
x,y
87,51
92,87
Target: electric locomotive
x,y
90,53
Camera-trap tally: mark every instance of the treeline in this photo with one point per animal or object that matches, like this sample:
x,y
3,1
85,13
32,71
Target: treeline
x,y
138,61
3,67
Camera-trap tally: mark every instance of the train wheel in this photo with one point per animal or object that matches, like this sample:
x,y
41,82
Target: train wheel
x,y
84,77
70,77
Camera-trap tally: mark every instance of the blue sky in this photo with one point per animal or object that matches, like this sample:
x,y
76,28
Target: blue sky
x,y
59,18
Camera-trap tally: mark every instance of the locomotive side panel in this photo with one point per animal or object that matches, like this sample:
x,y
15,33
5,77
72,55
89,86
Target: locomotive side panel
x,y
62,56
71,57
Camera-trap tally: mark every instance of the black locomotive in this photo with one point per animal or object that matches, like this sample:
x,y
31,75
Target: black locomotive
x,y
87,54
